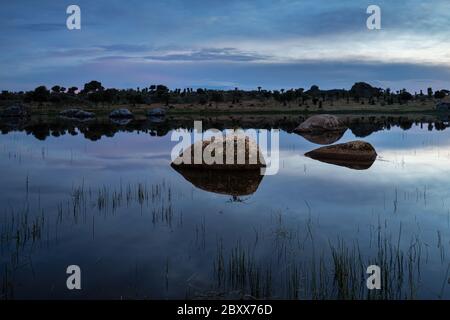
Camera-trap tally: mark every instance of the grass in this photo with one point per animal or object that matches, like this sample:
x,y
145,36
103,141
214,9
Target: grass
x,y
336,272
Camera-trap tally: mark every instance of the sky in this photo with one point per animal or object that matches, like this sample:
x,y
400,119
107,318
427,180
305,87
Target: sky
x,y
225,44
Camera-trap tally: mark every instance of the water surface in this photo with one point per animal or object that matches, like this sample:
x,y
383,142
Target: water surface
x,y
139,229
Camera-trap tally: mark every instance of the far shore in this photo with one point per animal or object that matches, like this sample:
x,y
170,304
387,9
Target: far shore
x,y
248,107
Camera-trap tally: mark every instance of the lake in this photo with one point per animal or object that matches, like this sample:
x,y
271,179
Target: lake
x,y
109,201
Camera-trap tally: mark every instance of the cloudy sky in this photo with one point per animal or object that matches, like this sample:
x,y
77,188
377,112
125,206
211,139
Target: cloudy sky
x,y
223,44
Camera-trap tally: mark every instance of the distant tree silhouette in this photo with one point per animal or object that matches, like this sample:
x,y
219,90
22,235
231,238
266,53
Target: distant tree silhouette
x,y
439,94
93,86
41,94
72,90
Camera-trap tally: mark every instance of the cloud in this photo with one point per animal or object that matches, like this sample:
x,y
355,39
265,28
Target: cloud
x,y
42,26
126,47
210,54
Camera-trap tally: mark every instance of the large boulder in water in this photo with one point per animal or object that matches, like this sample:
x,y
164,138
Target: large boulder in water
x,y
121,114
355,154
76,114
320,123
246,154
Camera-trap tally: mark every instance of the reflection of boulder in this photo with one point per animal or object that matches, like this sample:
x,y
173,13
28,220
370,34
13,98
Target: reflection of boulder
x,y
121,114
120,122
230,182
362,130
246,154
325,137
320,123
358,155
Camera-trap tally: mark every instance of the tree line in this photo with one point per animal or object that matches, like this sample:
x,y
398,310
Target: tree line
x,y
93,92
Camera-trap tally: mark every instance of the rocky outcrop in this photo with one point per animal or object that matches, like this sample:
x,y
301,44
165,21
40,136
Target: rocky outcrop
x,y
121,114
246,154
355,154
320,123
77,114
364,90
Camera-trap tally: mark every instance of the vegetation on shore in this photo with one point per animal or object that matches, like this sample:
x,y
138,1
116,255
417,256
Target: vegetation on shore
x,y
93,96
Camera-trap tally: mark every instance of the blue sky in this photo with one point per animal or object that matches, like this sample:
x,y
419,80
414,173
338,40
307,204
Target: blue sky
x,y
223,44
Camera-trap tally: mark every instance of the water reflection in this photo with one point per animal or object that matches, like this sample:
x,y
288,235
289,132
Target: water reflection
x,y
235,183
117,202
356,165
361,126
324,138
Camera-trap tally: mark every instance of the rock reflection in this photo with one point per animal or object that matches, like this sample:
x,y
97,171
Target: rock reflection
x,y
229,182
323,138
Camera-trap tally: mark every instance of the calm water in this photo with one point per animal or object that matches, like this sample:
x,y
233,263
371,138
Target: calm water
x,y
139,229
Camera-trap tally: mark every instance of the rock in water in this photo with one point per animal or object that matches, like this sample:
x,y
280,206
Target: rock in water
x,y
320,123
355,154
121,114
76,114
246,154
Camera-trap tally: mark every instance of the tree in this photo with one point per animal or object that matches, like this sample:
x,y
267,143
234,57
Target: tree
x,y
162,88
430,92
405,95
72,90
439,94
41,94
93,86
56,89
217,97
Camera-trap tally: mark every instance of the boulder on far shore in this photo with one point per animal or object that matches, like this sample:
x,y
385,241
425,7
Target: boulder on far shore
x,y
320,123
121,114
76,114
17,111
156,112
